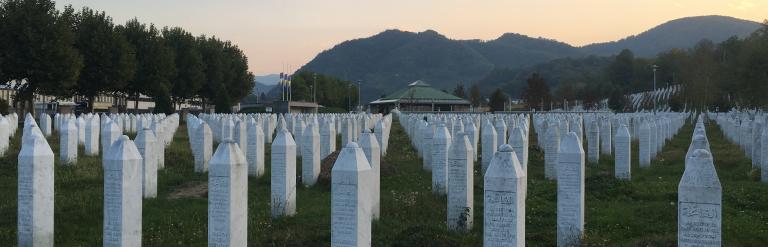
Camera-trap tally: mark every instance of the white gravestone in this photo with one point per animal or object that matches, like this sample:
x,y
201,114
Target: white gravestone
x,y
283,178
80,130
429,133
350,216
240,136
159,132
593,142
488,144
45,124
764,157
228,196
347,131
370,146
378,130
623,152
146,143
35,192
653,141
607,132
92,130
310,156
255,155
122,194
504,193
501,132
109,134
699,203
519,143
68,142
460,184
5,135
440,144
570,191
552,151
327,139
204,147
644,149
473,136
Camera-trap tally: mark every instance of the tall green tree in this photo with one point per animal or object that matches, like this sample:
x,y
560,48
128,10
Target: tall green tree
x,y
37,49
238,81
189,76
497,100
474,95
622,71
212,51
330,91
536,91
459,91
109,61
156,65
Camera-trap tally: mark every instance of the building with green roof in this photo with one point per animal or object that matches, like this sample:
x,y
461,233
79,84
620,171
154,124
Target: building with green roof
x,y
419,96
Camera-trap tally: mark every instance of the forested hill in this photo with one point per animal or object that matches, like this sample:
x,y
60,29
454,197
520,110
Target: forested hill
x,y
391,59
679,33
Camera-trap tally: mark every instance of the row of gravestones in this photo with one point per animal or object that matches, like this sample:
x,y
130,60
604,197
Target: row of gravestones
x,y
451,164
608,134
748,130
130,172
255,130
355,175
130,165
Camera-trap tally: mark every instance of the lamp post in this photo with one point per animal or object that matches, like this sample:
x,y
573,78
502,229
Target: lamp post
x,y
653,97
314,87
349,97
359,102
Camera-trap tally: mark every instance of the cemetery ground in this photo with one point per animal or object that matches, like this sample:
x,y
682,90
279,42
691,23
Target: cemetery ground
x,y
641,212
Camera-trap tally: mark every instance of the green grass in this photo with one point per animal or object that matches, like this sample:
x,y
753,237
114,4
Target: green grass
x,y
641,212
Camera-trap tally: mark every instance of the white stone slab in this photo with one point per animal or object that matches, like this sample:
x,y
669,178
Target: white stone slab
x,y
350,216
460,185
310,156
570,191
504,193
699,202
122,194
146,142
283,180
623,159
228,196
35,192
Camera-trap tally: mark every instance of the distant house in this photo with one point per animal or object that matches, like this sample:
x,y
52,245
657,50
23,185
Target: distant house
x,y
420,97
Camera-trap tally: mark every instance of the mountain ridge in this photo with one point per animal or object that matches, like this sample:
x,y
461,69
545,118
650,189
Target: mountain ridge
x,y
391,59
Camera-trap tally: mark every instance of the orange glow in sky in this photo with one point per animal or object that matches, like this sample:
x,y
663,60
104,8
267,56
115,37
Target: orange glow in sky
x,y
276,34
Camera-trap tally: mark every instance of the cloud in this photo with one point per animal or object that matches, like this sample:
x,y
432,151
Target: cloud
x,y
742,5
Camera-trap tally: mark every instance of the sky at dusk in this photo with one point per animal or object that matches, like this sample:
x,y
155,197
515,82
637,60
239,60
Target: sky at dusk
x,y
281,34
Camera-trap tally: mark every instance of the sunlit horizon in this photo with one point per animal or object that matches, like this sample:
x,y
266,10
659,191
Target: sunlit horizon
x,y
284,35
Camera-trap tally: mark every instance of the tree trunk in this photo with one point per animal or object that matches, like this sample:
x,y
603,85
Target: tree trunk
x,y
136,103
31,105
91,102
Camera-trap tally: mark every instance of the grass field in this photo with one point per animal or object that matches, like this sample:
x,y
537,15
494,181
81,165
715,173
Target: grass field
x,y
641,212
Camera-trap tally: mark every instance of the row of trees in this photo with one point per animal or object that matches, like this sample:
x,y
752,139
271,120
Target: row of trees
x,y
714,76
83,53
325,90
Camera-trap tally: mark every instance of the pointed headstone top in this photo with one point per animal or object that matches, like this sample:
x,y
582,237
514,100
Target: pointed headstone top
x,y
571,144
